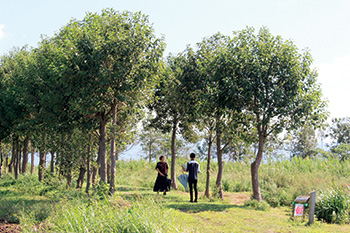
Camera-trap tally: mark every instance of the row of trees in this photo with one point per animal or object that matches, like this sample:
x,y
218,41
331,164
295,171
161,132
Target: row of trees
x,y
92,82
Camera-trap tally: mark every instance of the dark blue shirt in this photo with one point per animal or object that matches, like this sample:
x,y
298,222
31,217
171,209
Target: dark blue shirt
x,y
193,169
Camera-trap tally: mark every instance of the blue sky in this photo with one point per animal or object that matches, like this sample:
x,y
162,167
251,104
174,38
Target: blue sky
x,y
323,26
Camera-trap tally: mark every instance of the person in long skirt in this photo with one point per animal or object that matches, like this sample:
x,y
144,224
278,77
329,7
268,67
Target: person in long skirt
x,y
161,181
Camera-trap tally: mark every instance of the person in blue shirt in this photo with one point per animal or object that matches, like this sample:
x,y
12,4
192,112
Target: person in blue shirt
x,y
193,170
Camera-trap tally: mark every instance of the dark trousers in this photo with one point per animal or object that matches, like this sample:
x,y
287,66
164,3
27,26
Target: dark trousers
x,y
193,184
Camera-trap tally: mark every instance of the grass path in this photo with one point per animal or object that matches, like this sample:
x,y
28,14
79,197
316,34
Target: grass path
x,y
231,215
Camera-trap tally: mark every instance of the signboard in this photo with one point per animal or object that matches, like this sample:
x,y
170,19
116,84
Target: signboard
x,y
298,209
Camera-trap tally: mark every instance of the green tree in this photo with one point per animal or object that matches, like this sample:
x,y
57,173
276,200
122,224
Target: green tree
x,y
342,151
304,142
174,103
277,86
218,120
112,61
340,130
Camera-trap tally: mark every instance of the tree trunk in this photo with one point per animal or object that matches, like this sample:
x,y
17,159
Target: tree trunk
x,y
102,148
254,168
1,159
207,194
88,178
13,155
81,176
42,158
149,154
32,160
68,176
6,163
94,175
173,155
113,151
52,163
17,158
25,155
220,162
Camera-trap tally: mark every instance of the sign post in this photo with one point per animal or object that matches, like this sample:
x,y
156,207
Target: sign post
x,y
312,207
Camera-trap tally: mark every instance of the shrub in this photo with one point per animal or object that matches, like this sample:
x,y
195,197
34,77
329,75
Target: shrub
x,y
333,206
257,205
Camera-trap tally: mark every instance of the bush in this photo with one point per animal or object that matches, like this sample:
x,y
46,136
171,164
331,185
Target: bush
x,y
257,205
333,206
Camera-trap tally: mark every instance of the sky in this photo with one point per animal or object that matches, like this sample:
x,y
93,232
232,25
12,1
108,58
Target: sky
x,y
322,26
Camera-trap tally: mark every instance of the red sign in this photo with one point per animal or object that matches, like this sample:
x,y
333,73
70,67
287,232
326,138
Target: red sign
x,y
299,209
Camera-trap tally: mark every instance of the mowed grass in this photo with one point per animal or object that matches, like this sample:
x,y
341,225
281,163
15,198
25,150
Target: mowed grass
x,y
230,215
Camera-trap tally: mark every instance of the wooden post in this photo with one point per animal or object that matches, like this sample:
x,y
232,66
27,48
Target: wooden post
x,y
312,207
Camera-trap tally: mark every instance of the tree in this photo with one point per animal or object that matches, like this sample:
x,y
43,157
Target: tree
x,y
174,103
151,142
277,86
304,142
340,130
112,68
14,114
342,151
218,120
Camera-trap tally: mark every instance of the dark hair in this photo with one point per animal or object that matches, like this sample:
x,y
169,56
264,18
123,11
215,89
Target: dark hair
x,y
192,155
162,156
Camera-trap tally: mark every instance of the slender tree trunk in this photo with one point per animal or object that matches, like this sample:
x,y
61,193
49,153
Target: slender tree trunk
x,y
102,148
52,163
173,155
88,179
220,162
17,158
32,160
113,150
68,176
20,157
13,155
6,163
25,155
94,175
254,168
81,176
95,171
42,159
1,159
207,185
108,172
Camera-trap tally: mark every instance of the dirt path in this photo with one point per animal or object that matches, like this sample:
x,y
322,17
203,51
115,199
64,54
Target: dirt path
x,y
9,228
237,198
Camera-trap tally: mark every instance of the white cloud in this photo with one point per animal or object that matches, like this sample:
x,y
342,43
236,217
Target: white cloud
x,y
335,80
2,33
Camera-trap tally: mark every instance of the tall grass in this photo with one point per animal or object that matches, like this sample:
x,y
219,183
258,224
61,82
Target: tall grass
x,y
280,181
109,215
333,205
50,206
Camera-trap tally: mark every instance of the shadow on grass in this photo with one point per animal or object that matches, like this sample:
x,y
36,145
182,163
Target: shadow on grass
x,y
131,188
10,210
201,207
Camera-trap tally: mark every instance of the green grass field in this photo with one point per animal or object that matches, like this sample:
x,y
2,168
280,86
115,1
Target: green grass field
x,y
50,207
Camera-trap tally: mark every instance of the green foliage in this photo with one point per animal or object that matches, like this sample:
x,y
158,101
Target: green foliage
x,y
257,205
333,205
340,130
304,142
342,151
